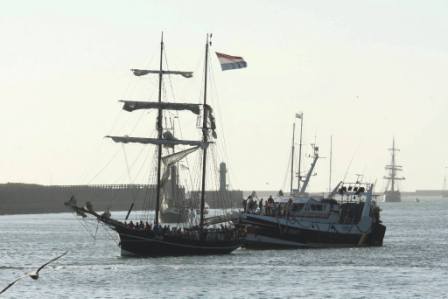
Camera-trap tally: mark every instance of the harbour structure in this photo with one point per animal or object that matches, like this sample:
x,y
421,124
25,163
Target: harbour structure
x,y
392,192
223,198
21,198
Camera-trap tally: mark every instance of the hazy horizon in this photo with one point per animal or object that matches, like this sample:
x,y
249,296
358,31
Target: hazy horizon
x,y
362,72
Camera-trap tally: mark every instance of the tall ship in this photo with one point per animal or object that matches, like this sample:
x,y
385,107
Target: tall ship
x,y
347,217
159,239
392,193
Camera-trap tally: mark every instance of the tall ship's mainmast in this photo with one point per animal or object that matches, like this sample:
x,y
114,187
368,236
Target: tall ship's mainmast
x,y
392,194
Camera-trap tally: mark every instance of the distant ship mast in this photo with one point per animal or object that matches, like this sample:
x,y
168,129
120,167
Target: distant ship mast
x,y
393,168
444,191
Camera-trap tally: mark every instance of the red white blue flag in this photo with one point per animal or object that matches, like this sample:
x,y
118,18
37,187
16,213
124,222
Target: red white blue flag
x,y
229,62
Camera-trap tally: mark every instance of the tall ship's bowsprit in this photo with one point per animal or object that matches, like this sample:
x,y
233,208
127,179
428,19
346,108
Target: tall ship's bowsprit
x,y
392,194
198,238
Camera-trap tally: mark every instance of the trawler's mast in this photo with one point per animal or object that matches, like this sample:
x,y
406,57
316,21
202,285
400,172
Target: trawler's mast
x,y
331,163
310,171
292,155
204,133
299,175
159,134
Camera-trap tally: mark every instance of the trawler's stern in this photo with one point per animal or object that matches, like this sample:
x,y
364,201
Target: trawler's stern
x,y
376,236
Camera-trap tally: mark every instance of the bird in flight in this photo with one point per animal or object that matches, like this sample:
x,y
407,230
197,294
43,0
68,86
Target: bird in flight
x,y
34,274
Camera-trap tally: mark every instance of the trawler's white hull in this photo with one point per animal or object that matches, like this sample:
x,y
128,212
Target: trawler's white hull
x,y
271,232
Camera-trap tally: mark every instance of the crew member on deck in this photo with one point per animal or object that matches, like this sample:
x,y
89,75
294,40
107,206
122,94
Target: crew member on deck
x,y
250,203
269,205
245,205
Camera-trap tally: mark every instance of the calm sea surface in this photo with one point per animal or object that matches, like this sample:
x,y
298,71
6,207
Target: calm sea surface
x,y
413,263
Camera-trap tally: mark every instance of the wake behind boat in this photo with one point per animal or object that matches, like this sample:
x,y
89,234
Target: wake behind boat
x,y
144,239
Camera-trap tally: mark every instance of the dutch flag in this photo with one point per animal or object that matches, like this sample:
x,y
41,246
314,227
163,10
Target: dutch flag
x,y
229,62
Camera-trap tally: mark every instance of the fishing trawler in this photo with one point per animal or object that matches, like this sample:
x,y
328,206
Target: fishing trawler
x,y
153,240
348,216
393,194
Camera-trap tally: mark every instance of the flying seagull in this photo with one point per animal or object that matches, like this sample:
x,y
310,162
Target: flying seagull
x,y
34,274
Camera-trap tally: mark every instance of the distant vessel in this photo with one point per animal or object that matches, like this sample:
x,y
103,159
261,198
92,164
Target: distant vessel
x,y
173,208
444,191
393,194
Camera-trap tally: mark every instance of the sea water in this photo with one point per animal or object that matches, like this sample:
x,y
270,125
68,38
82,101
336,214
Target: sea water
x,y
413,263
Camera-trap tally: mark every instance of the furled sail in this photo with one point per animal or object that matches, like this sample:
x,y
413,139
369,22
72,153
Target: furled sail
x,y
211,118
195,108
128,139
135,105
138,72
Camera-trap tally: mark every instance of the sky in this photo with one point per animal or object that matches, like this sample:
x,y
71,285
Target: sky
x,y
362,72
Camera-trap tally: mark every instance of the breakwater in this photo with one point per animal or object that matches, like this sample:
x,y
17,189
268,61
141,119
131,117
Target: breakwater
x,y
18,198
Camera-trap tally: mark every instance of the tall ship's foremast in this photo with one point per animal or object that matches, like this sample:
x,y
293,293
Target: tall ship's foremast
x,y
393,194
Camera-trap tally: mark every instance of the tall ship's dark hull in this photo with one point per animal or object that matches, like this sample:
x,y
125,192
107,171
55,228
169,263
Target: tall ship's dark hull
x,y
266,234
145,241
392,196
149,244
